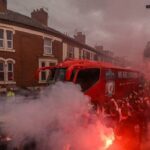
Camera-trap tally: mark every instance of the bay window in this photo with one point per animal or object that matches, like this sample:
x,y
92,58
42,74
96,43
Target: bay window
x,y
6,71
44,63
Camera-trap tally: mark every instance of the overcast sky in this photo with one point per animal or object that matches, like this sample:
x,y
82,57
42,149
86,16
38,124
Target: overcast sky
x,y
122,26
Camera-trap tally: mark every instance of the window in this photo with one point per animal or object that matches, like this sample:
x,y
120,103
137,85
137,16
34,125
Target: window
x,y
2,71
51,74
10,72
88,77
73,75
43,73
85,54
1,38
70,51
127,75
95,57
9,39
6,39
43,76
7,71
110,74
120,74
92,56
60,74
47,46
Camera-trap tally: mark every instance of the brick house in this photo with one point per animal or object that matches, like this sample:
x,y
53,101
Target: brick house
x,y
27,43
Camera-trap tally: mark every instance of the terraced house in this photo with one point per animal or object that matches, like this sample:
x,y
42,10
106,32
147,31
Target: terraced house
x,y
27,43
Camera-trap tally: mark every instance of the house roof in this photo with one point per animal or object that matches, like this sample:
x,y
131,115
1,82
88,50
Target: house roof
x,y
20,19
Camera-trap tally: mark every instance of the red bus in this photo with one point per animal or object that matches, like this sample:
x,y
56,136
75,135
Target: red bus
x,y
98,80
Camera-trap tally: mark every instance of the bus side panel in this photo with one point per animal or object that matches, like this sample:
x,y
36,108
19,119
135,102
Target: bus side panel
x,y
124,86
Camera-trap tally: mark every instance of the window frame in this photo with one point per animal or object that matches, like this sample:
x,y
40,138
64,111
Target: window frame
x,y
6,80
3,71
12,71
6,40
9,40
2,39
86,54
70,51
47,63
48,46
43,71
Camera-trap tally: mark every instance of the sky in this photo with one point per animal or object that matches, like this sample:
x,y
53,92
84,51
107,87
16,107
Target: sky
x,y
122,26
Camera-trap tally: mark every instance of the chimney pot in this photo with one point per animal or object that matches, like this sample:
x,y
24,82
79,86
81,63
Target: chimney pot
x,y
40,15
99,47
80,37
3,5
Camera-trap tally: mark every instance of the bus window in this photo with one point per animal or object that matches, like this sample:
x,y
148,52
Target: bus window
x,y
60,74
55,75
110,74
87,77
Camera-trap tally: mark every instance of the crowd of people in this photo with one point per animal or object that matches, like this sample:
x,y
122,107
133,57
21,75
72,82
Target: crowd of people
x,y
129,117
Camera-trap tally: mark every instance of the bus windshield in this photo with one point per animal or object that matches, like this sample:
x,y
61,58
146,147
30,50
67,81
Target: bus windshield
x,y
57,74
87,77
60,74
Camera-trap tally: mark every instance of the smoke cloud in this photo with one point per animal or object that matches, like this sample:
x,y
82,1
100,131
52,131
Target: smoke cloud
x,y
56,120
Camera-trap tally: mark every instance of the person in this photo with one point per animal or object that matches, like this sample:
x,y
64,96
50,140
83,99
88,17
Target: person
x,y
10,93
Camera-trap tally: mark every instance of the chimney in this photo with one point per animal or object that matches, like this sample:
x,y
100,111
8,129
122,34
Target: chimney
x,y
40,15
3,5
99,47
80,37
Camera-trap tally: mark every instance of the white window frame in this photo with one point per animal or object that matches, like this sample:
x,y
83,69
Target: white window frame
x,y
47,62
48,46
2,39
43,71
5,40
10,71
70,51
6,61
92,55
84,54
9,40
81,54
1,61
